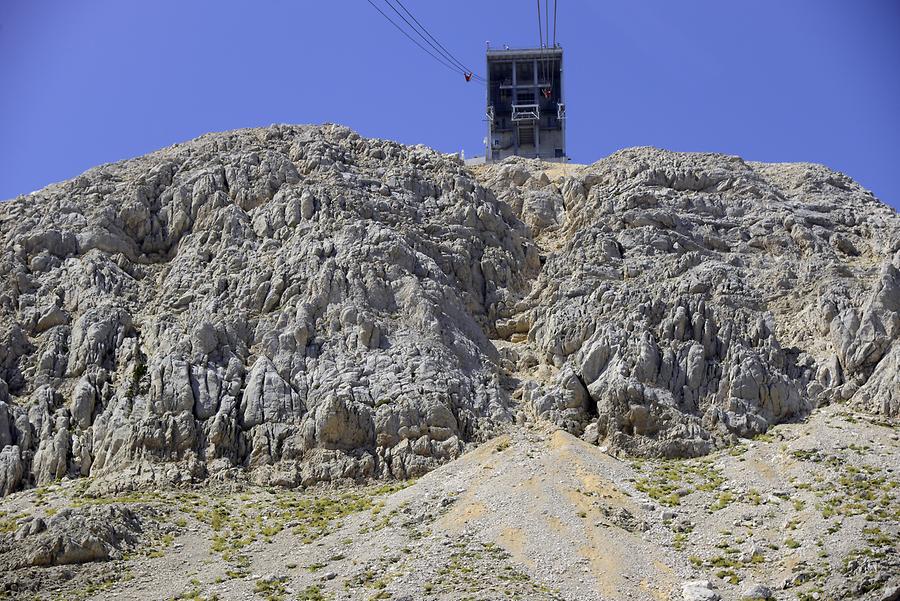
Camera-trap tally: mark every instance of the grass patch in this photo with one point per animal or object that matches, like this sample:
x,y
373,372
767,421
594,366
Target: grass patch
x,y
668,478
270,590
722,501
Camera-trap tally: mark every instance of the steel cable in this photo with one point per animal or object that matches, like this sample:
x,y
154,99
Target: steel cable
x,y
555,7
412,39
440,47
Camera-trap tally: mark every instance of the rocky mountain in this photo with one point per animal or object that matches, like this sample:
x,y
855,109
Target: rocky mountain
x,y
689,299
298,305
295,301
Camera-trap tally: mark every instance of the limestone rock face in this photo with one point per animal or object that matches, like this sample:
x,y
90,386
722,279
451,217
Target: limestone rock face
x,y
72,536
10,469
295,301
299,304
698,298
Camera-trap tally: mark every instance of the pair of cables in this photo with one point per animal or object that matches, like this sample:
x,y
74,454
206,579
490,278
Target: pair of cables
x,y
417,33
549,70
544,24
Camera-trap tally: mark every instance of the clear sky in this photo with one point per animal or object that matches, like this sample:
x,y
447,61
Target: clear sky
x,y
84,82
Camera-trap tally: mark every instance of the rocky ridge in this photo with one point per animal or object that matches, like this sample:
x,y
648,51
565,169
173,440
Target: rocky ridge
x,y
296,301
298,305
245,330
691,299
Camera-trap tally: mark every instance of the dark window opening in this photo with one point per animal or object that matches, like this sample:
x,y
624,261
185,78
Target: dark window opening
x,y
524,72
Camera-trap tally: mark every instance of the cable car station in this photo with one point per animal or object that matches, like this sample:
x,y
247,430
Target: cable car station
x,y
526,114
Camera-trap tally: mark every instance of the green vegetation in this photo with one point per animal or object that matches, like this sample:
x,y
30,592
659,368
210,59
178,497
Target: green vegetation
x,y
238,520
670,478
94,587
729,576
270,589
10,522
876,538
865,490
471,566
737,450
312,593
722,501
195,593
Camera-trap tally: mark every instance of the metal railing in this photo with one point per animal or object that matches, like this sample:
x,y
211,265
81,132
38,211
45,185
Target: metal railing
x,y
526,112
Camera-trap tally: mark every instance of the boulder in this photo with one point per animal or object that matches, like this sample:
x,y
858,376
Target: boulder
x,y
699,590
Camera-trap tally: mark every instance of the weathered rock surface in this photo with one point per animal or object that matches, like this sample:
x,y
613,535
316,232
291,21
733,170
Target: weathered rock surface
x,y
296,301
699,590
693,298
303,305
535,514
72,536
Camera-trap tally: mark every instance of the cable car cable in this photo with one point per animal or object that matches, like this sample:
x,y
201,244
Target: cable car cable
x,y
446,52
413,40
547,20
547,32
417,32
540,38
554,22
546,59
553,66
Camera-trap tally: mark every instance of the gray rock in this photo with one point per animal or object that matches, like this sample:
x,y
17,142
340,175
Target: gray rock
x,y
51,458
699,590
306,305
11,469
245,300
268,398
757,591
73,536
684,333
84,398
6,421
890,593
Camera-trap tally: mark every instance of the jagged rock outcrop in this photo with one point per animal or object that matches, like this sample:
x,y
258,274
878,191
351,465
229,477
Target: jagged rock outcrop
x,y
693,298
72,536
299,304
294,301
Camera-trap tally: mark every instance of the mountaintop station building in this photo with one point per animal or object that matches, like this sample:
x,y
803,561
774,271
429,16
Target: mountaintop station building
x,y
526,114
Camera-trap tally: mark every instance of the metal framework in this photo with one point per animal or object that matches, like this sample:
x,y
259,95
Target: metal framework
x,y
525,110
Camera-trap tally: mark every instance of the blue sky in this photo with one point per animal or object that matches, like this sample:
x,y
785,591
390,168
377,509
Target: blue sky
x,y
92,81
